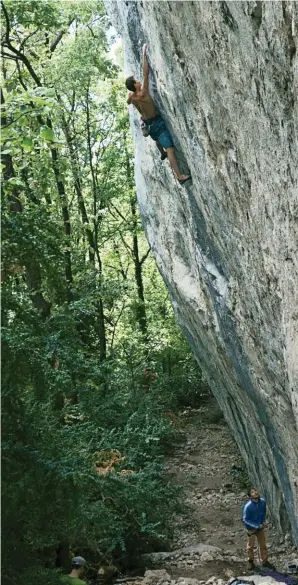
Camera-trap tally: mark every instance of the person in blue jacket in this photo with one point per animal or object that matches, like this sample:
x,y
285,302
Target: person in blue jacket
x,y
254,518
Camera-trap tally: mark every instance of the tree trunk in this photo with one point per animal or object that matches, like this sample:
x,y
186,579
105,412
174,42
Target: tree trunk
x,y
101,316
66,222
138,264
141,309
78,189
91,236
63,556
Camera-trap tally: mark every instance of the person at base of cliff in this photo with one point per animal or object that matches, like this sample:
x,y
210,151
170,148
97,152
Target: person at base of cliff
x,y
143,102
77,570
254,517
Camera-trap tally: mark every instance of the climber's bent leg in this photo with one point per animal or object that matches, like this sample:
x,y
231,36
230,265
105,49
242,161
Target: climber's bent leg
x,y
173,162
160,133
161,150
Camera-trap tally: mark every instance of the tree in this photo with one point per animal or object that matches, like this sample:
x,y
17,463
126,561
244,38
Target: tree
x,y
84,309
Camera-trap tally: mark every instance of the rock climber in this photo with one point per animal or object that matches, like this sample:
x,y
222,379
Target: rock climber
x,y
151,120
77,570
254,518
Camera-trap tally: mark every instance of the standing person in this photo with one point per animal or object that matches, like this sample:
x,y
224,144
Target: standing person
x,y
140,98
77,570
254,517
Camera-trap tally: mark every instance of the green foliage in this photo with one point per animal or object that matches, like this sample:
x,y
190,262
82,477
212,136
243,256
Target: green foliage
x,y
50,486
84,310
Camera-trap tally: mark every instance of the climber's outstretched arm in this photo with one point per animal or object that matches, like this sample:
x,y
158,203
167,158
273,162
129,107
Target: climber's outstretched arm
x,y
145,84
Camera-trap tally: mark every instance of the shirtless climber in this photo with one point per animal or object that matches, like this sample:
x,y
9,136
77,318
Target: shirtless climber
x,y
140,98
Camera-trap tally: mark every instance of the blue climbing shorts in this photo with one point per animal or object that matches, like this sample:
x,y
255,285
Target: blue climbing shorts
x,y
158,131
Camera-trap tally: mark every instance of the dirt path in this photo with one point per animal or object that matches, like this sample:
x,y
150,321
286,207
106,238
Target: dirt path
x,y
211,471
208,467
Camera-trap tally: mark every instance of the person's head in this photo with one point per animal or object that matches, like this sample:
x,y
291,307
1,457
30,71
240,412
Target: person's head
x,y
132,84
253,493
77,566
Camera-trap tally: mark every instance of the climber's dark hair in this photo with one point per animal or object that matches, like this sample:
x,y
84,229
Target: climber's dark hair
x,y
130,83
250,490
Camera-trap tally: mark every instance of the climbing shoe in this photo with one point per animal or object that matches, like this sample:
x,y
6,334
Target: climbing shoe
x,y
182,181
164,155
251,565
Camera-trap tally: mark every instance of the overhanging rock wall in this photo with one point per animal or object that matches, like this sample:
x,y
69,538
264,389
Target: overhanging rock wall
x,y
225,77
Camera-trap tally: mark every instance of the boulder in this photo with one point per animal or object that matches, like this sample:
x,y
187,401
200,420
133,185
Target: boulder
x,y
187,581
206,557
157,577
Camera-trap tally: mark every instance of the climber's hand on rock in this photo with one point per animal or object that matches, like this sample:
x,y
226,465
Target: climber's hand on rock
x,y
144,49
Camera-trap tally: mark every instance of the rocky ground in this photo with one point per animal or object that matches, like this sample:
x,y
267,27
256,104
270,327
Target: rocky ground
x,y
209,542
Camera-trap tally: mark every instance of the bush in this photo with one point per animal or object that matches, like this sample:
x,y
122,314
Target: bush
x,y
52,489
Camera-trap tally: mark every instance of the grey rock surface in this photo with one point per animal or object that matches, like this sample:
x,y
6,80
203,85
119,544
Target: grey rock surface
x,y
200,549
225,77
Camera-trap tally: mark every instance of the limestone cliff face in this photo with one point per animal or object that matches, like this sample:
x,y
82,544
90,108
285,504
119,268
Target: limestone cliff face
x,y
225,78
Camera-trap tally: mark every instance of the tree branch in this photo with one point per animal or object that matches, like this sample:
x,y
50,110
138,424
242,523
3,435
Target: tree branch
x,y
56,41
8,56
20,76
15,120
7,30
59,37
92,33
115,325
28,37
17,52
145,256
127,246
119,212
